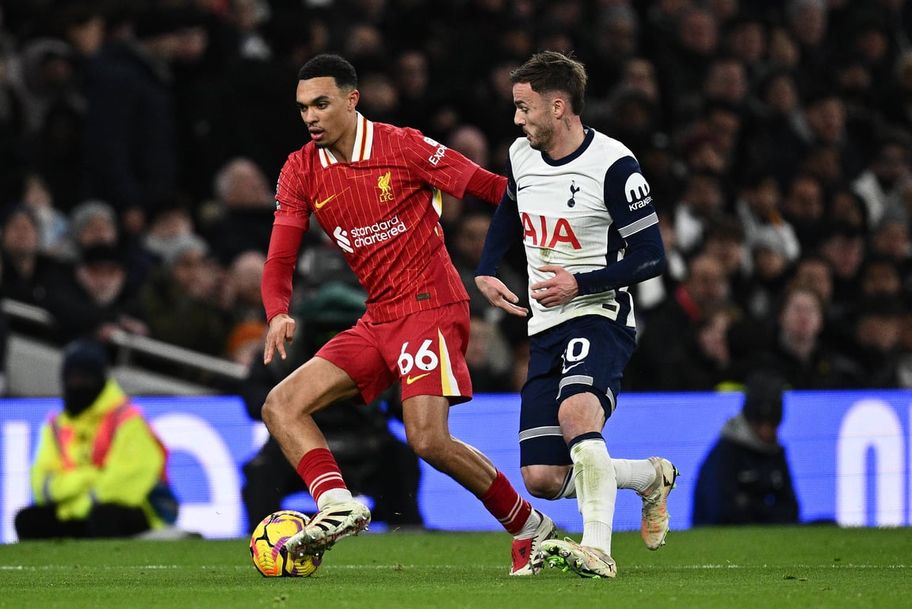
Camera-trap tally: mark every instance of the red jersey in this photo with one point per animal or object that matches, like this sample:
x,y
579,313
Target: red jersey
x,y
382,209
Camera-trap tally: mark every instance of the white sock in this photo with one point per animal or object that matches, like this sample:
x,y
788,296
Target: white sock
x,y
596,490
334,495
532,523
636,474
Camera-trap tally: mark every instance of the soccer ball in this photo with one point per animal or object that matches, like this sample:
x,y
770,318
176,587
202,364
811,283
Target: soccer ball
x,y
267,546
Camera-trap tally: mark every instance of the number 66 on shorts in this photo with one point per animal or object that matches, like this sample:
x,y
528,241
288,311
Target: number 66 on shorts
x,y
425,351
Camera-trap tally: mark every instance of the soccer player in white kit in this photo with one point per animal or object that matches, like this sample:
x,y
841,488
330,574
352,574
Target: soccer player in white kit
x,y
582,207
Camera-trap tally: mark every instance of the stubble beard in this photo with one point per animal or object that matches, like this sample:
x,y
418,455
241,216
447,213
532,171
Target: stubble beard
x,y
542,139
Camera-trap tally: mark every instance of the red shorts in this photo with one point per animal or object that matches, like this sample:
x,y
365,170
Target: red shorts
x,y
424,350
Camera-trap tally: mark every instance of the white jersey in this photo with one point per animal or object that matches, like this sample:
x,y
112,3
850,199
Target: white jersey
x,y
576,213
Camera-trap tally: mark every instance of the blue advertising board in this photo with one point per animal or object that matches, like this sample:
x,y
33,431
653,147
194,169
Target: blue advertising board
x,y
849,452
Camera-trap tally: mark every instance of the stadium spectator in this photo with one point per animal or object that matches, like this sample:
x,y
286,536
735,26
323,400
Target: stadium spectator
x,y
803,207
241,298
705,288
416,100
639,75
613,50
82,25
130,148
828,125
726,82
777,120
875,343
379,217
582,330
746,38
701,199
891,240
94,223
168,227
724,241
770,264
242,214
93,300
843,247
682,69
879,276
52,224
745,477
795,349
807,23
27,273
845,207
706,362
180,302
757,207
99,470
628,113
882,184
50,87
814,271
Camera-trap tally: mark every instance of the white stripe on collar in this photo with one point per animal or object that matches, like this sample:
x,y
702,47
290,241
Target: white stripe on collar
x,y
364,143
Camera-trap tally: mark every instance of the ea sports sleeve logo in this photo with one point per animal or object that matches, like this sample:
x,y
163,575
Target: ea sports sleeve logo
x,y
636,189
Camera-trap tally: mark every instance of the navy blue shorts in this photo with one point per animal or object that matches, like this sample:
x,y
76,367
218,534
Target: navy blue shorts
x,y
585,354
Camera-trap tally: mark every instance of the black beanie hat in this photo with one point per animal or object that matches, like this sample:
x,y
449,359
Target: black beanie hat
x,y
763,397
85,356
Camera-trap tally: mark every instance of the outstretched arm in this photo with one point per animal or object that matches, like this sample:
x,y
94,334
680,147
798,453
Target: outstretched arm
x,y
487,186
504,231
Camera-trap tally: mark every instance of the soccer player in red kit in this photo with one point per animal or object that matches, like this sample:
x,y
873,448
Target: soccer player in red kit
x,y
376,189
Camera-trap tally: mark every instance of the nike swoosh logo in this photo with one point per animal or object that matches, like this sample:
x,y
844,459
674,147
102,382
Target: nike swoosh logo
x,y
320,204
411,379
518,188
565,369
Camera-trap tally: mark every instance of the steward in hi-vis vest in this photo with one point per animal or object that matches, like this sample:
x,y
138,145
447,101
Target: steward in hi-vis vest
x,y
100,470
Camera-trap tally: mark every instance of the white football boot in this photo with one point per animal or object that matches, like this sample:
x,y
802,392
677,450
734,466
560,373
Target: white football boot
x,y
567,555
654,525
328,526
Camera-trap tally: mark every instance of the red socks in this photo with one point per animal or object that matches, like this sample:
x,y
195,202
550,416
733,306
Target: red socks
x,y
320,472
505,504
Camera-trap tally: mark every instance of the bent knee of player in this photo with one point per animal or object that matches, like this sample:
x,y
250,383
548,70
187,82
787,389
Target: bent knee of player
x,y
275,408
281,405
430,446
542,481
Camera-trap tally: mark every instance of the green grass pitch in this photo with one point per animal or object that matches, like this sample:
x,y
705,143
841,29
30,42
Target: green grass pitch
x,y
719,568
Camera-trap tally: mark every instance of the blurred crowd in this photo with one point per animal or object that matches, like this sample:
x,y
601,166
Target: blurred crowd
x,y
139,144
